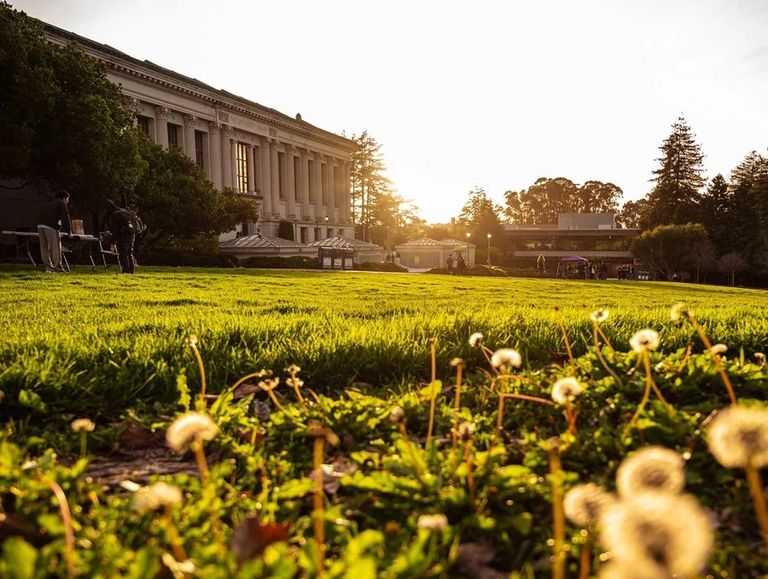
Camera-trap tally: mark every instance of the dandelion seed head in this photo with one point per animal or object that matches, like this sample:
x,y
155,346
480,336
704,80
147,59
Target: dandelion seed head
x,y
83,425
436,522
157,496
599,315
644,341
269,384
566,390
585,504
738,436
465,431
457,362
679,311
476,339
192,341
293,369
191,428
179,569
397,414
669,531
506,358
651,469
760,357
718,349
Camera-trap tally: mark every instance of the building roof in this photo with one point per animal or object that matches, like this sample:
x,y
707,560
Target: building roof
x,y
339,242
427,242
222,97
259,241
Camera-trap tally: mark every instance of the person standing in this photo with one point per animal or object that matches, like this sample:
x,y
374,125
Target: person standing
x,y
54,217
121,226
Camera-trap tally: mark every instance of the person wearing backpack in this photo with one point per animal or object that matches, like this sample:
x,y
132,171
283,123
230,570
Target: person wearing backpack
x,y
122,225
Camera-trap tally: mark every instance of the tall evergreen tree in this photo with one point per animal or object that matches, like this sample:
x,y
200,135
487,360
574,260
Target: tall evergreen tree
x,y
480,216
369,183
675,196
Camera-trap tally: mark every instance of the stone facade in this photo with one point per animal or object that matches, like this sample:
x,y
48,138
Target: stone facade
x,y
292,170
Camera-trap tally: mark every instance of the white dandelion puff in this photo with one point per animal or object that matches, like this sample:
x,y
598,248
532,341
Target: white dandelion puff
x,y
566,390
651,469
476,339
671,532
599,315
585,504
679,311
506,358
83,425
436,522
718,349
157,496
191,428
644,341
738,437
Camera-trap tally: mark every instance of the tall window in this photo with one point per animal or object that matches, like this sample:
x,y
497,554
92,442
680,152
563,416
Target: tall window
x,y
173,135
199,159
311,179
323,181
143,123
242,168
296,177
281,174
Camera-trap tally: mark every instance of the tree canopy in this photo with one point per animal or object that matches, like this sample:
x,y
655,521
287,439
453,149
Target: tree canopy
x,y
480,216
671,249
543,201
61,118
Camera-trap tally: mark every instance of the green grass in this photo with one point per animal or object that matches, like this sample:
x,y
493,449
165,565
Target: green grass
x,y
95,342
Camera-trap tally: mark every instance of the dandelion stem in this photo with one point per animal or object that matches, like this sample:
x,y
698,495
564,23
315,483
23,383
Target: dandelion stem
x,y
318,505
83,443
66,519
567,342
432,402
202,467
649,379
202,464
456,405
201,369
686,357
558,515
295,385
258,374
715,357
275,401
604,337
600,353
409,446
173,537
528,398
758,498
585,560
470,473
500,411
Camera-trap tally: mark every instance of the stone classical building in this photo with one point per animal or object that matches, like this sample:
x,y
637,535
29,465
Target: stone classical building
x,y
291,169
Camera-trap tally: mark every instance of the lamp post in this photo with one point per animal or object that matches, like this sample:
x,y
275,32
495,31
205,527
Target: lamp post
x,y
468,236
488,261
325,219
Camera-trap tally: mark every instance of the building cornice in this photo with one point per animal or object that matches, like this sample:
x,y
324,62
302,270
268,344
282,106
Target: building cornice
x,y
152,73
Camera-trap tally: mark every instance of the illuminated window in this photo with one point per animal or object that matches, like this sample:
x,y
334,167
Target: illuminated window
x,y
242,167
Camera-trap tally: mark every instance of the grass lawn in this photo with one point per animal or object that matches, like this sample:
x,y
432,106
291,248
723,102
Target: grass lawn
x,y
98,342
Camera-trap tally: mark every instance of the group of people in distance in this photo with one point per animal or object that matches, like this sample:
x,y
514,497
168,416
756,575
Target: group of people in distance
x,y
54,220
456,261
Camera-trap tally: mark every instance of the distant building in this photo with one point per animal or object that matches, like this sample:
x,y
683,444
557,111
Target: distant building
x,y
593,236
428,253
291,169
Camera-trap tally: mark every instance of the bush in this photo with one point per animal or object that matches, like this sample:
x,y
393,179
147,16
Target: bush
x,y
381,266
186,258
295,262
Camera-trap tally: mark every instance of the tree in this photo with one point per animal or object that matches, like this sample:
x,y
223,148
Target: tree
x,y
480,216
675,196
368,182
393,220
543,201
179,204
731,264
61,118
632,214
668,248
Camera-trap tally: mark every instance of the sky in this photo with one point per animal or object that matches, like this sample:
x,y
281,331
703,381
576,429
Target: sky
x,y
487,93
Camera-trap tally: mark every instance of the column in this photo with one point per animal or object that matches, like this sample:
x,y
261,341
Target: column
x,y
345,194
304,167
226,156
190,123
161,125
135,106
233,159
290,193
256,152
214,145
266,179
316,179
249,161
273,162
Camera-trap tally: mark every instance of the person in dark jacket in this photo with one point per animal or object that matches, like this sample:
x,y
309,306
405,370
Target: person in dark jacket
x,y
54,217
121,227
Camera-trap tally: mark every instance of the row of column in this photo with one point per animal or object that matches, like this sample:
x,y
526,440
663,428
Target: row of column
x,y
313,195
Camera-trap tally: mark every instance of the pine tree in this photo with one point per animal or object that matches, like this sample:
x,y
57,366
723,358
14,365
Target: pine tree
x,y
368,181
675,197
